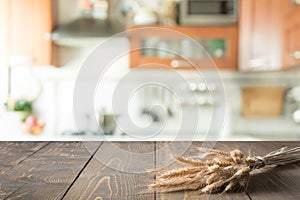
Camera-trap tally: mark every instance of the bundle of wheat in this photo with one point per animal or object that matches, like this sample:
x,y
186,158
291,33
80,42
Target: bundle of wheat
x,y
218,171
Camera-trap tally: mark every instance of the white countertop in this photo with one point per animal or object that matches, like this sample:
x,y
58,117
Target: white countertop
x,y
161,137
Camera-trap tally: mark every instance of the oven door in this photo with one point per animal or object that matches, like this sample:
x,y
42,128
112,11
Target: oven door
x,y
208,12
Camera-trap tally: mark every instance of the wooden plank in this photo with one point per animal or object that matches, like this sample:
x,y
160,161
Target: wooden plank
x,y
281,182
48,173
68,170
116,172
165,149
12,153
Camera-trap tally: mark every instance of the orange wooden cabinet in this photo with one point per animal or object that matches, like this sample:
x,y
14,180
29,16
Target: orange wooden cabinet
x,y
269,33
291,33
220,43
260,35
29,22
3,32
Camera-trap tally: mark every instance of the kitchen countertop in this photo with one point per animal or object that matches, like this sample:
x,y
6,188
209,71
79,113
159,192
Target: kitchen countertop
x,y
18,136
116,170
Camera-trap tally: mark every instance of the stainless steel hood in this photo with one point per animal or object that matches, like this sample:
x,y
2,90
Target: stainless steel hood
x,y
85,31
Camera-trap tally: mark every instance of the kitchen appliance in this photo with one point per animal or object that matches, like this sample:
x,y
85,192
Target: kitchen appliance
x,y
208,12
97,20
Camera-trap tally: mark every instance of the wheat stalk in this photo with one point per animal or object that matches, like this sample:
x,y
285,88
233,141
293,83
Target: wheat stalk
x,y
218,171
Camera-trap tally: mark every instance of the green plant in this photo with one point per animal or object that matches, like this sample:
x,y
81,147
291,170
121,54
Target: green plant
x,y
21,105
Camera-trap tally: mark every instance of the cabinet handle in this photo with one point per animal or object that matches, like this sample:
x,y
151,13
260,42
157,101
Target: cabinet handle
x,y
180,63
295,2
296,55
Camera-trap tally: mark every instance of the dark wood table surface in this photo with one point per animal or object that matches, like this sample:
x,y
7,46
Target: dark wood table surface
x,y
97,170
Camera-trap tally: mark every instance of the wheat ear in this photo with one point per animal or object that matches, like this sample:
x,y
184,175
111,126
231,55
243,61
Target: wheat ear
x,y
224,171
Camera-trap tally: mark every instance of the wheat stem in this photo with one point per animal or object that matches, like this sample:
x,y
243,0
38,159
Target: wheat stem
x,y
225,171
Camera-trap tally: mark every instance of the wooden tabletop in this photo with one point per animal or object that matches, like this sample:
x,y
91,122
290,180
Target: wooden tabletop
x,y
116,170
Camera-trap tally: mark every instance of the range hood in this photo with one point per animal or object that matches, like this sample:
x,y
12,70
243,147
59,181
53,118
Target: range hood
x,y
84,31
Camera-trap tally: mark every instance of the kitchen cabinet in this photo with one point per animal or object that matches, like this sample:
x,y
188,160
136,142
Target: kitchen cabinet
x,y
28,23
3,32
220,42
260,35
291,33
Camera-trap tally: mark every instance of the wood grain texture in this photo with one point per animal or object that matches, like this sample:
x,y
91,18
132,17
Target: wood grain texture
x,y
189,149
116,170
47,174
281,182
12,154
101,179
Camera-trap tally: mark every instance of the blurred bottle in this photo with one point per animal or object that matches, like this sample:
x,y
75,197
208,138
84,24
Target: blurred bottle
x,y
162,49
100,10
168,14
86,8
145,16
187,49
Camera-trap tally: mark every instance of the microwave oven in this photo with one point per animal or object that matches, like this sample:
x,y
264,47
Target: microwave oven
x,y
208,12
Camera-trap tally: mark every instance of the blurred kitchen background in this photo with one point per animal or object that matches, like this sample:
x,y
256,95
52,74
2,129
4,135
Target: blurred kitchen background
x,y
255,45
